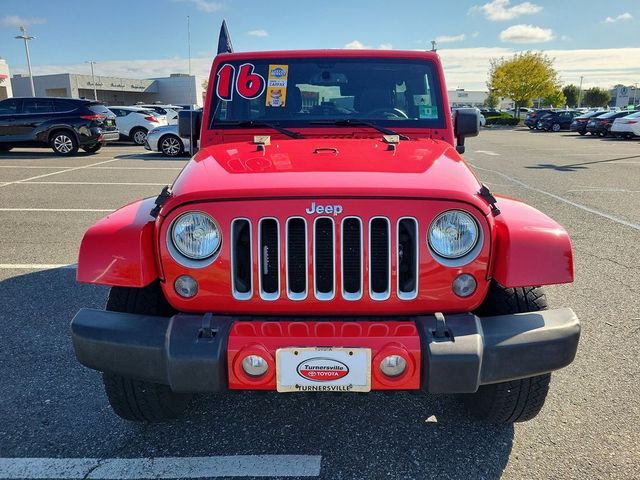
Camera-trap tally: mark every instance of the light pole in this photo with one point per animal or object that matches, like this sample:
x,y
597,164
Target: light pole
x,y
635,94
93,79
26,39
580,94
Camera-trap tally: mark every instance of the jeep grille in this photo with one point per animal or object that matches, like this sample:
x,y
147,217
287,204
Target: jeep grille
x,y
324,258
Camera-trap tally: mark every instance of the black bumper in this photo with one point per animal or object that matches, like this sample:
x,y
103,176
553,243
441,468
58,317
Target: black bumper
x,y
188,352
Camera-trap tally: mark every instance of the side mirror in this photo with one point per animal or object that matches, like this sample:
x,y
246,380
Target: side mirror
x,y
466,123
189,122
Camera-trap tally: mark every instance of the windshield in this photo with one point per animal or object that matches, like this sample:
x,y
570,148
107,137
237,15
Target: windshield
x,y
311,92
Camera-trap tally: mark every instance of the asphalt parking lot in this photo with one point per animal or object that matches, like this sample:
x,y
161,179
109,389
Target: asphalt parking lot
x,y
51,407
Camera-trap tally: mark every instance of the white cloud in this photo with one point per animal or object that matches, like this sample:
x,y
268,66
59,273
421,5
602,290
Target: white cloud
x,y
451,38
205,5
499,10
355,45
385,46
17,21
468,67
526,34
258,33
464,67
620,18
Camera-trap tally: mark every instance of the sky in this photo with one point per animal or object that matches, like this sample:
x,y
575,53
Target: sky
x,y
148,38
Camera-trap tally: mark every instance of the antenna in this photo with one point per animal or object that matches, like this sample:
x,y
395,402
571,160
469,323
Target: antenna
x,y
191,149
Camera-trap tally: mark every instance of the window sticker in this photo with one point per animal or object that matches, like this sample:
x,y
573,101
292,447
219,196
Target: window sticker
x,y
248,84
427,111
422,100
277,86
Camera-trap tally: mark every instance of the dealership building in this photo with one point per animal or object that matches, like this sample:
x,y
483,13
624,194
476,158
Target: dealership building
x,y
176,89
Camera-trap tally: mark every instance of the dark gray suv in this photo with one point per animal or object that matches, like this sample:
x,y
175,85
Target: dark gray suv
x,y
64,124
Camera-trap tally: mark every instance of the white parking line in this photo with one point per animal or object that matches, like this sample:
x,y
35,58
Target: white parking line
x,y
57,209
562,199
131,184
37,266
91,168
161,468
56,173
488,152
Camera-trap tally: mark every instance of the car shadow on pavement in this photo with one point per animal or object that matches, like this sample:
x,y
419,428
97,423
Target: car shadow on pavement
x,y
46,154
50,406
572,167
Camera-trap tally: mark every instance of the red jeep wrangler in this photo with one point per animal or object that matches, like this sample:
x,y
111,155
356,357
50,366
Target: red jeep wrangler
x,y
327,237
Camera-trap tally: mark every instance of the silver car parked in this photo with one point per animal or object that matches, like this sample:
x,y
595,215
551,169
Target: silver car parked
x,y
165,139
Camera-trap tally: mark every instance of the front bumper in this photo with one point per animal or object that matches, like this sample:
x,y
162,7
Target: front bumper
x,y
452,354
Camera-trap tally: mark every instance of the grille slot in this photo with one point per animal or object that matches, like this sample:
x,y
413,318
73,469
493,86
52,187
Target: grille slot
x,y
241,259
269,258
351,251
324,258
407,258
297,258
379,258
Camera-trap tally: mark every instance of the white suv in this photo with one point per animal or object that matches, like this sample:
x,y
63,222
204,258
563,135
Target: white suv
x,y
135,122
169,111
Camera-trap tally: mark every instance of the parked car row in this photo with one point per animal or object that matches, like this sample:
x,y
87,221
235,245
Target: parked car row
x,y
618,123
69,124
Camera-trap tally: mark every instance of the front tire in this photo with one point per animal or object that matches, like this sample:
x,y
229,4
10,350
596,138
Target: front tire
x,y
171,146
517,400
64,143
582,132
555,127
134,399
138,135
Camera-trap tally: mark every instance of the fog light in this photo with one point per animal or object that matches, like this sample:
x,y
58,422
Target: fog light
x,y
464,285
186,286
254,365
393,365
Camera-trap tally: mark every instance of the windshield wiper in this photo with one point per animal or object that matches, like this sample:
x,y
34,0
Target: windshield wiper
x,y
258,124
359,123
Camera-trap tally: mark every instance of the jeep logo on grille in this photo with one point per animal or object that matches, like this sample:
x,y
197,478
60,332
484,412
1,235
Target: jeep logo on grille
x,y
328,209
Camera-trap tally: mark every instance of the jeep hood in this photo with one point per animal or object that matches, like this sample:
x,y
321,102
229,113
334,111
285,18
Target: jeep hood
x,y
328,167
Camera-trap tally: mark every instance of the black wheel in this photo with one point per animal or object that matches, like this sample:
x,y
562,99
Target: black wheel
x,y
134,399
5,148
64,143
171,146
517,400
582,132
555,127
138,135
92,148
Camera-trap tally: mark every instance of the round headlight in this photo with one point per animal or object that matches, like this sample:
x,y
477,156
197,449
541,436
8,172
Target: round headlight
x,y
196,235
453,234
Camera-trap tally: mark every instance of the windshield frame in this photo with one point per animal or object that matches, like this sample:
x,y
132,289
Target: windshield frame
x,y
432,68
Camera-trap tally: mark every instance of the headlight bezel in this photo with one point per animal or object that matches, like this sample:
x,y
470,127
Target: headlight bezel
x,y
470,254
182,258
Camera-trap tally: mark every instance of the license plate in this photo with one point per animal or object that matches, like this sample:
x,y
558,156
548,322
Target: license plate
x,y
323,369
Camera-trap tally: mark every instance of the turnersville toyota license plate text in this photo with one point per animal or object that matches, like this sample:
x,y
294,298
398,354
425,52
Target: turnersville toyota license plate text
x,y
323,369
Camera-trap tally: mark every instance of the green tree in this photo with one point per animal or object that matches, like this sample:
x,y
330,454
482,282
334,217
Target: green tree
x,y
556,99
572,94
596,97
523,77
492,100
